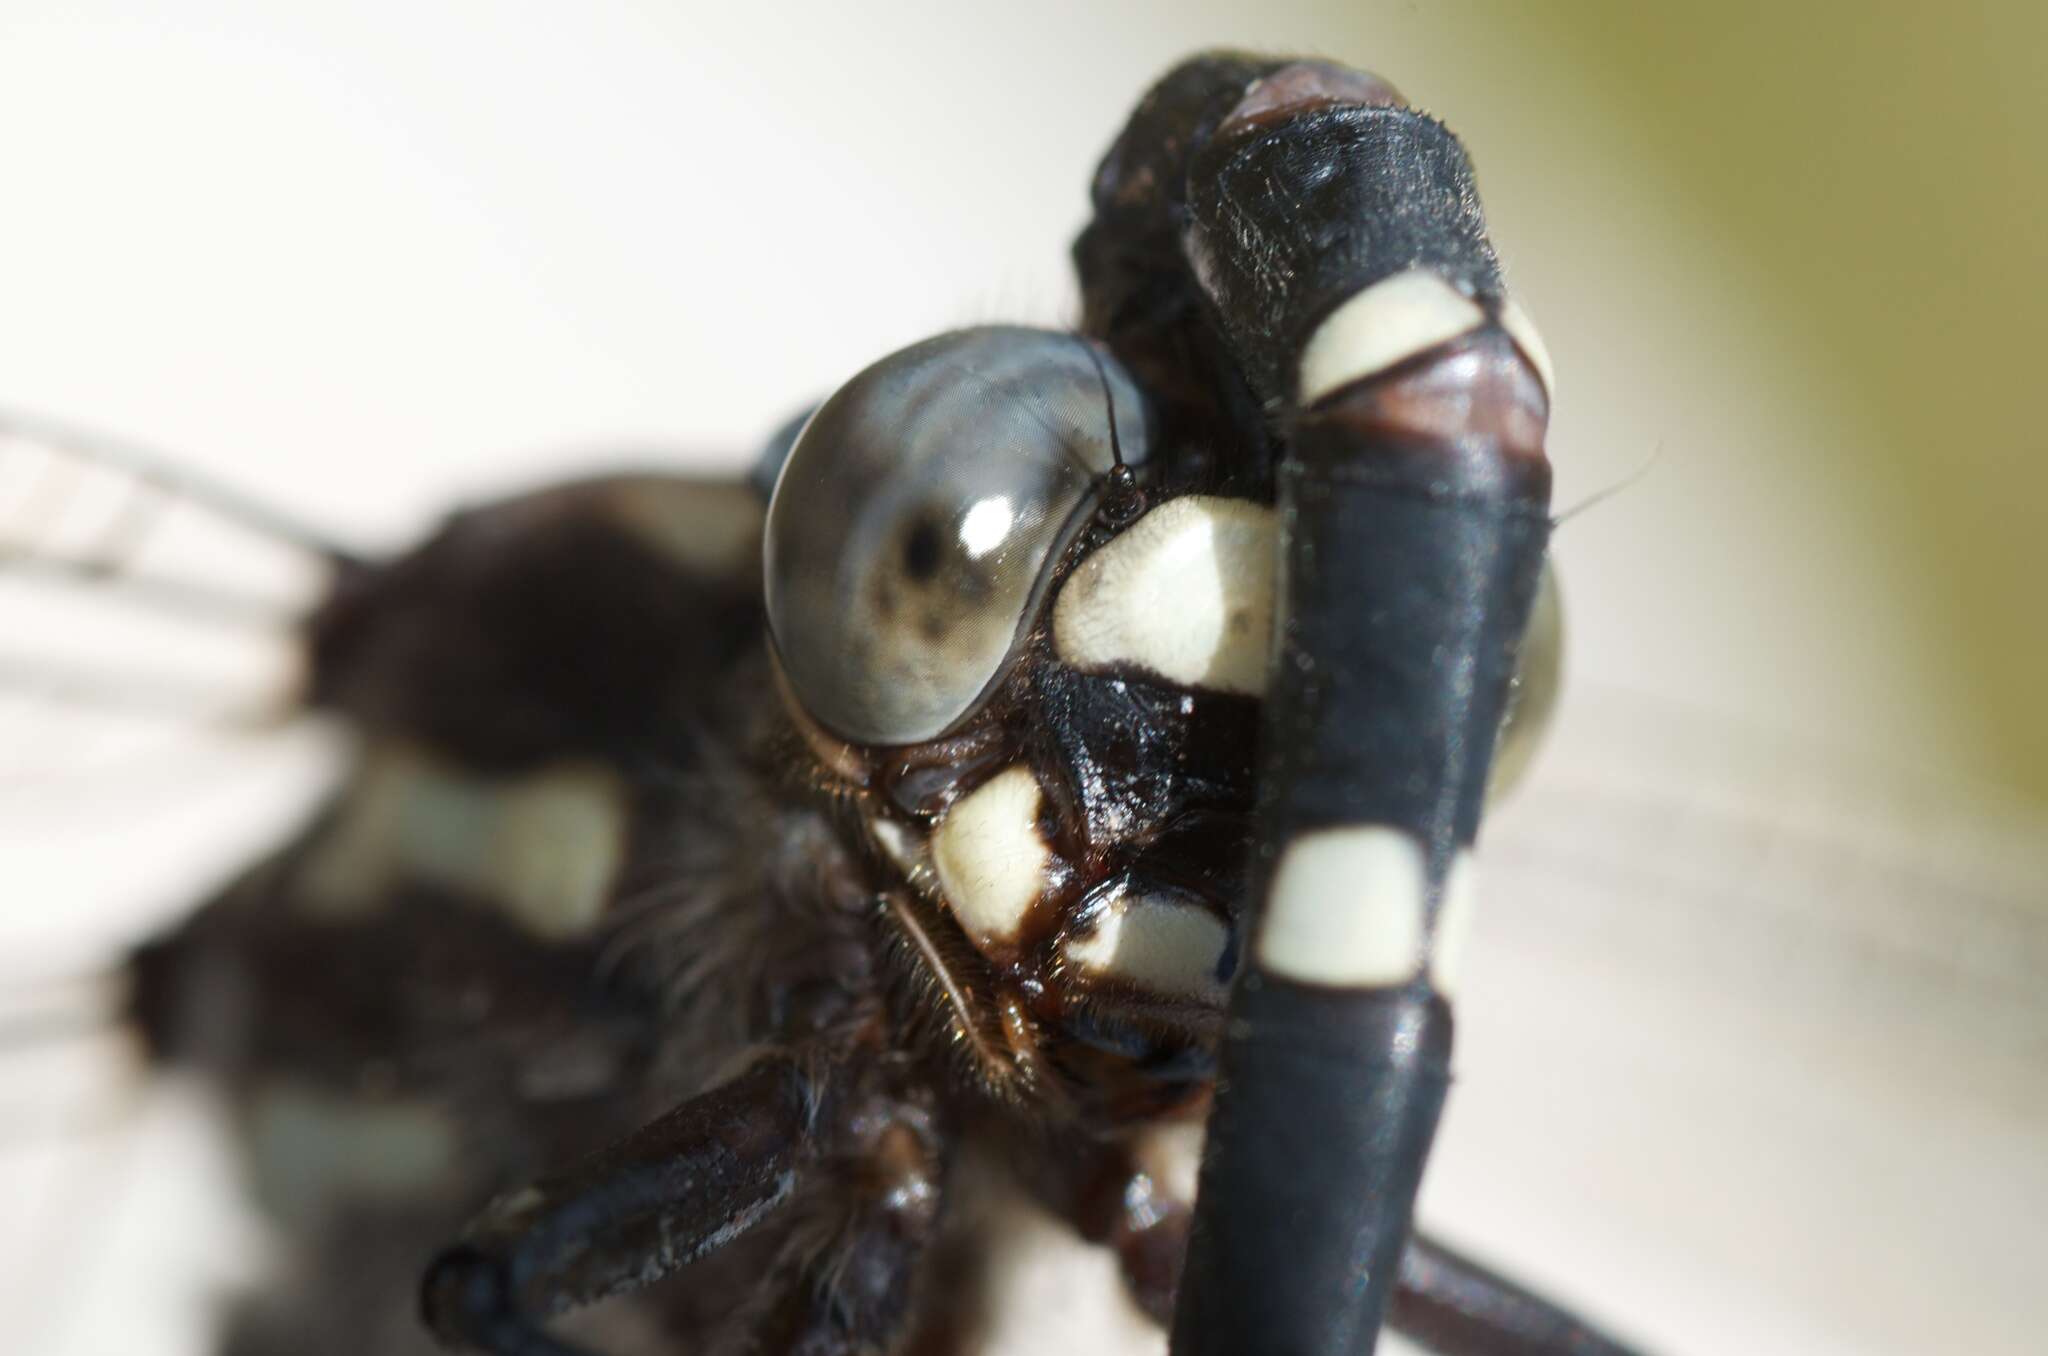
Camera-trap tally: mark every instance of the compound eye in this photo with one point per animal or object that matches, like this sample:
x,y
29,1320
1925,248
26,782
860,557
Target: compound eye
x,y
920,513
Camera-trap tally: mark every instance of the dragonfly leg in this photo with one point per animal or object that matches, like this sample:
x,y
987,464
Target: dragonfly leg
x,y
682,1186
1455,1306
858,1178
1443,1300
846,1284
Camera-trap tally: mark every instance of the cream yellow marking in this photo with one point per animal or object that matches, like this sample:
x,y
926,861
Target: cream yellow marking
x,y
1171,947
990,856
1346,908
1387,323
1170,1153
1186,592
557,845
1453,924
313,1151
544,847
706,526
1523,331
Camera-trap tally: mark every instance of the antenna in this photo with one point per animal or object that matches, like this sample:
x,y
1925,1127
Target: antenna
x,y
1124,500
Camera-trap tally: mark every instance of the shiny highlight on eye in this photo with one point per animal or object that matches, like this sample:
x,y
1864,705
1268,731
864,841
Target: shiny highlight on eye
x,y
919,515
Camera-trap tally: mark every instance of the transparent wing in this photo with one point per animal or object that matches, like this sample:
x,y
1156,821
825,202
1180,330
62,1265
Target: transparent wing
x,y
149,663
149,656
1752,1046
140,606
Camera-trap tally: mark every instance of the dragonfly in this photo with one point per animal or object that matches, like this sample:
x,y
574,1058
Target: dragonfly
x,y
1108,386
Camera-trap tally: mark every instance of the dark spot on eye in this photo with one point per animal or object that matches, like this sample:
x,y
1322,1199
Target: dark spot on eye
x,y
921,550
933,626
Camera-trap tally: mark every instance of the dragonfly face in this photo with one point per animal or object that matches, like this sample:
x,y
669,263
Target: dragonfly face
x,y
1103,672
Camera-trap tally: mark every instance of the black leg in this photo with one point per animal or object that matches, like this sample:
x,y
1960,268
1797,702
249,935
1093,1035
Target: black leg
x,y
1443,1300
1456,1307
846,1284
673,1191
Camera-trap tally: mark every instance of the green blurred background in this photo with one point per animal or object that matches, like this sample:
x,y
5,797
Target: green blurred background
x,y
1872,180
1797,254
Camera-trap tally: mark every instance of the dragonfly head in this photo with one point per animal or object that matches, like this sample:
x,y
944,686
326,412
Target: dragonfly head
x,y
1027,639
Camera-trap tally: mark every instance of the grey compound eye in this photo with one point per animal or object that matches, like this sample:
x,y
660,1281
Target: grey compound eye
x,y
918,515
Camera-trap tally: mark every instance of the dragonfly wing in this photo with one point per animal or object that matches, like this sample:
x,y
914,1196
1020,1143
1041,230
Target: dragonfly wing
x,y
1751,1047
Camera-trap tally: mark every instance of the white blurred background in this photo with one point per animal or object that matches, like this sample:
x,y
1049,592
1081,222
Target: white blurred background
x,y
364,261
